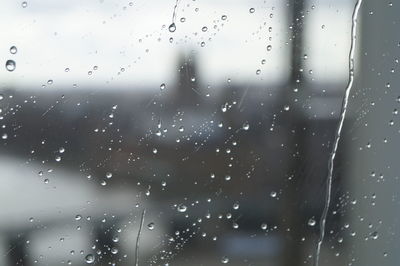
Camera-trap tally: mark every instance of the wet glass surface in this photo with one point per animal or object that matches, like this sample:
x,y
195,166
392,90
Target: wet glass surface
x,y
199,132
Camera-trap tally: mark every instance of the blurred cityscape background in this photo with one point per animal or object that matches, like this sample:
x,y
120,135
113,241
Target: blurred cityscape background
x,y
126,142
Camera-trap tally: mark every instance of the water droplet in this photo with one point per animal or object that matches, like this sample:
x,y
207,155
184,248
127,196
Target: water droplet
x,y
252,10
273,194
227,177
155,150
181,208
58,158
204,29
162,86
224,17
236,206
311,222
89,259
374,235
150,226
61,150
224,259
264,226
224,107
181,129
172,27
10,65
286,108
269,47
24,4
13,50
246,126
108,175
78,217
4,136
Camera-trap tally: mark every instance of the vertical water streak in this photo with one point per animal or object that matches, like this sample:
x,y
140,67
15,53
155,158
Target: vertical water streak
x,y
338,132
138,238
174,13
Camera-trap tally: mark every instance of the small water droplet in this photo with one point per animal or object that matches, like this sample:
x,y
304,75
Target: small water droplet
x,y
150,226
246,126
13,50
264,226
311,222
181,208
162,86
24,4
89,259
109,175
374,235
224,259
252,10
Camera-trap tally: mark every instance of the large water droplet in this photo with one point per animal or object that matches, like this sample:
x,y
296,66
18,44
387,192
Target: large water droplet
x,y
10,65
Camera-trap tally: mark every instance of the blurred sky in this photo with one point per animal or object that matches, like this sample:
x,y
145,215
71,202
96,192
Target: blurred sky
x,y
54,35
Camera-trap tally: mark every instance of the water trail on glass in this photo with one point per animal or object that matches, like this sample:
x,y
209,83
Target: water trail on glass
x,y
174,13
338,133
138,238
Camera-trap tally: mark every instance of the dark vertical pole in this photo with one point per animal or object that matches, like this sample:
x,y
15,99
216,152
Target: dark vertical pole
x,y
292,215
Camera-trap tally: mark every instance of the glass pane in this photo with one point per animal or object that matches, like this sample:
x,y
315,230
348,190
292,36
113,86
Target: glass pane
x,y
199,132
